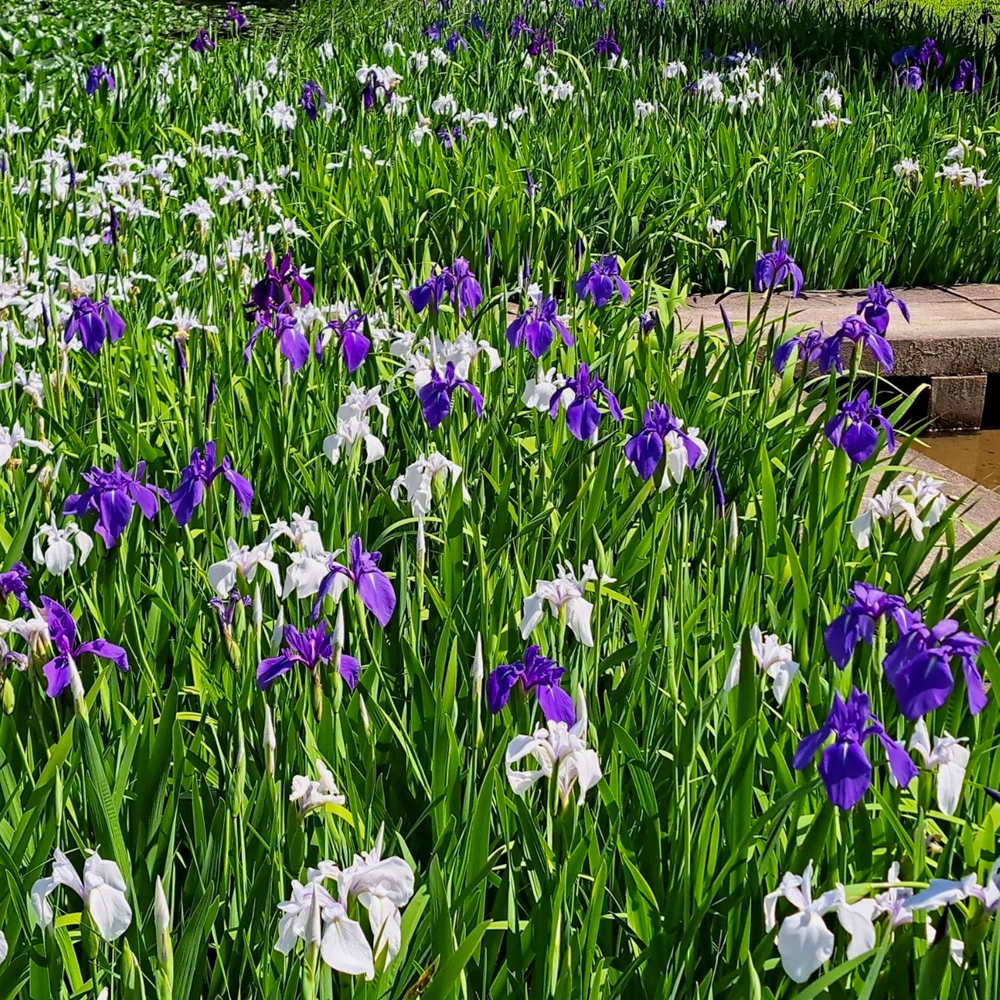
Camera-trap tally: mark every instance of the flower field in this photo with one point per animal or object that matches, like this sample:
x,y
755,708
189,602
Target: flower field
x,y
396,600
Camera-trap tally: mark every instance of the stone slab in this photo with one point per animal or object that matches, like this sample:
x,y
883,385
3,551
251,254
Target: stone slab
x,y
953,331
957,401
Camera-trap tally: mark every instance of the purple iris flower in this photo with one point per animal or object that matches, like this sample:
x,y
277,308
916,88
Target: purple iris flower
x,y
476,23
455,42
370,91
225,607
928,55
198,476
435,395
457,283
203,42
310,647
373,585
62,631
740,57
728,323
433,31
540,42
582,415
234,20
645,450
713,471
15,581
855,429
648,320
919,666
467,291
876,307
856,623
844,767
95,76
533,672
113,496
855,330
520,26
94,322
601,281
966,77
8,656
431,292
275,289
313,99
354,345
292,342
606,45
110,235
775,268
537,328
911,77
924,56
450,137
809,346
530,187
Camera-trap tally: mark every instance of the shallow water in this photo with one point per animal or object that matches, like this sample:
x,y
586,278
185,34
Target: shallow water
x,y
975,456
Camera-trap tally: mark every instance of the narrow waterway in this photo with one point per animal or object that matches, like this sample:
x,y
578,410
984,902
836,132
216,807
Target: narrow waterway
x,y
975,456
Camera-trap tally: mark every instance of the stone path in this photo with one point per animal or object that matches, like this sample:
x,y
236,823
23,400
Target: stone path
x,y
952,341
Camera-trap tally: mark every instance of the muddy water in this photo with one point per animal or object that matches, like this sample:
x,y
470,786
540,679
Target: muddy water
x,y
975,456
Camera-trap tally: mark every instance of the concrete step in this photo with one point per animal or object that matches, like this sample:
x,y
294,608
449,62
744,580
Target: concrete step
x,y
952,340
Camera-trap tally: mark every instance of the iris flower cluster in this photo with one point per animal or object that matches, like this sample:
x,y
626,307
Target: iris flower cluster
x,y
457,284
534,672
918,666
815,345
272,303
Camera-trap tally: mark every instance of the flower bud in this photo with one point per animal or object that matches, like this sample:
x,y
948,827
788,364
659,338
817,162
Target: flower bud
x,y
421,545
164,946
278,632
76,688
161,913
478,669
270,742
7,696
313,939
317,694
89,937
131,977
338,628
